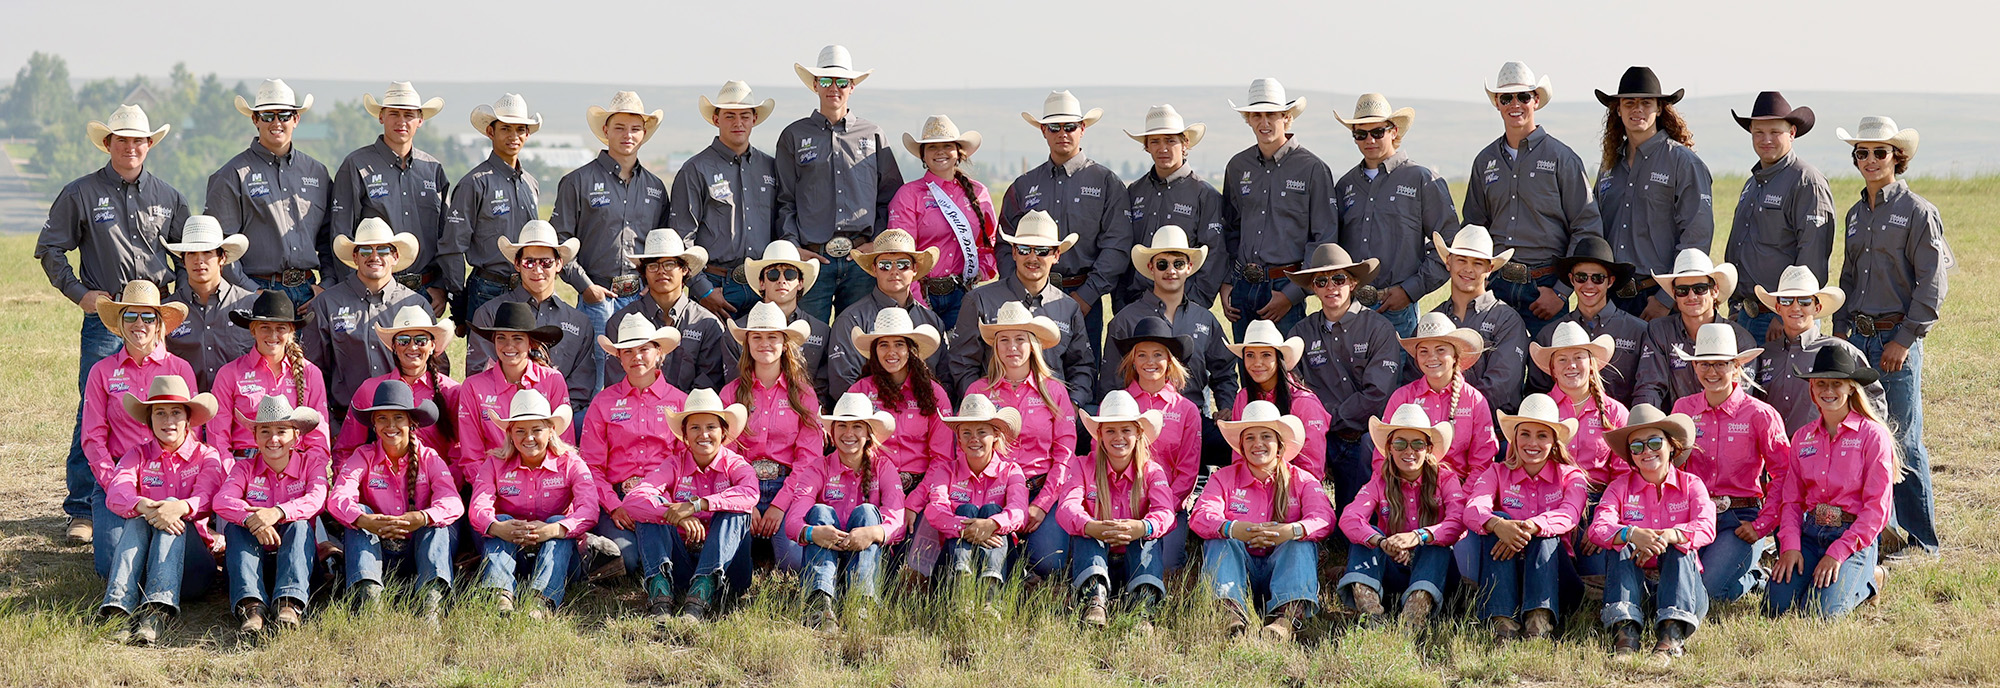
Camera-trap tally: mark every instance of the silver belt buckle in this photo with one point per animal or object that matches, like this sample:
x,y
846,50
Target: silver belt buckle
x,y
1515,272
293,277
1864,325
1367,295
839,247
1722,504
768,469
1254,273
739,275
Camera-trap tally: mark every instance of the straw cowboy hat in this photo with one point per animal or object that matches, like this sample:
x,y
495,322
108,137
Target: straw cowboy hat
x,y
1118,406
939,129
976,408
700,401
1038,228
636,332
895,322
1155,329
1013,316
782,252
1264,414
396,395
1164,120
127,120
1516,77
1692,263
139,294
1678,426
1472,241
1591,248
1639,82
204,233
272,306
510,108
401,95
1798,280
1372,108
529,405
834,62
1771,105
1539,408
1872,130
1409,417
1839,363
274,94
1717,342
1330,257
855,407
1061,107
625,102
538,233
415,319
896,240
1438,326
1264,333
664,243
1168,239
735,95
171,389
275,409
767,317
1569,335
374,231
1267,95
514,316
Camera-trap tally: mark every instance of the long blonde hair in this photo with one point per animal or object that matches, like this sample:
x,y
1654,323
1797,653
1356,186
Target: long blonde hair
x,y
1142,456
1857,402
791,368
1177,372
1593,389
1038,373
1430,503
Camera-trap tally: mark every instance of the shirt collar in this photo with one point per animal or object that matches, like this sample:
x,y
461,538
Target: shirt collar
x,y
158,354
513,171
295,465
401,161
186,451
1075,164
1890,192
1737,400
1291,144
722,149
110,176
1183,172
992,468
1395,162
257,148
1020,289
720,464
1764,172
1167,393
610,164
1533,139
779,384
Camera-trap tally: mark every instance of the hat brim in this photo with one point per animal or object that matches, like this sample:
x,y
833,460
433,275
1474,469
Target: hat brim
x,y
1151,423
1610,100
1904,140
1379,432
1142,258
244,319
440,334
1741,358
1044,329
98,132
1288,427
565,251
1622,272
200,408
754,271
707,109
1402,118
1007,419
968,143
1678,426
1599,347
1178,345
546,334
1062,245
231,247
429,109
1540,89
1295,108
669,338
1468,342
1363,272
1564,429
406,250
597,116
1191,133
248,110
1831,298
1445,251
810,75
1088,119
924,337
483,117
559,417
423,414
1289,351
1723,275
303,419
734,417
1801,118
696,258
796,332
880,424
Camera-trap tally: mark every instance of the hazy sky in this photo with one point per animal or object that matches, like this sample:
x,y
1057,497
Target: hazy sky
x,y
1430,50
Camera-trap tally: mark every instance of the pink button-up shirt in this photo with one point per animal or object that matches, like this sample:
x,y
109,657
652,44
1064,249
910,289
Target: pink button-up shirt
x,y
950,484
1853,469
1080,495
1368,515
727,482
1235,494
1736,444
1178,448
241,383
299,489
919,439
1680,502
191,473
914,210
626,435
774,431
828,481
1473,444
1587,445
487,393
1047,443
1552,500
370,478
108,432
1310,412
354,432
561,486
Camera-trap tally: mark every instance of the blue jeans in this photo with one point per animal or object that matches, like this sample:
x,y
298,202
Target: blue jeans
x,y
1513,586
1427,571
154,567
841,283
478,291
1635,305
1854,584
1349,466
947,306
786,551
299,294
427,553
1047,546
1405,321
1904,390
1289,573
106,531
1758,326
864,568
268,575
94,344
1678,596
1173,545
556,562
1520,296
1248,297
1729,565
966,560
1598,564
1141,564
600,314
727,550
740,296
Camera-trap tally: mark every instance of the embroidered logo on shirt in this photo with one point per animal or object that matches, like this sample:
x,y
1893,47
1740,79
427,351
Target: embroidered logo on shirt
x,y
1662,178
1091,191
256,186
1899,220
376,187
1033,199
1409,191
1295,185
311,182
808,151
572,329
1545,165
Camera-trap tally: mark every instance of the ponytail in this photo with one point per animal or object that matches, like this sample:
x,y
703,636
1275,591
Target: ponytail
x,y
1281,499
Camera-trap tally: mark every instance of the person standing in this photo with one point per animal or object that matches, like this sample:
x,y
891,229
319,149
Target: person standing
x,y
277,197
1279,202
538,257
1652,188
1037,249
728,198
1785,215
606,205
1171,193
947,210
390,179
1084,198
1503,368
1388,206
492,201
836,174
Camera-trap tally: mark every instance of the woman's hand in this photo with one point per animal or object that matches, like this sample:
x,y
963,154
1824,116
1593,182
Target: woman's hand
x,y
1789,562
268,536
829,537
1035,516
861,538
266,517
978,530
680,511
766,524
375,524
1826,572
1399,546
1513,537
623,519
505,530
548,531
693,531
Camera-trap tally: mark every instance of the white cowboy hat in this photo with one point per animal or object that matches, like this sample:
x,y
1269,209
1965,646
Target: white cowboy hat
x,y
170,389
855,407
1038,228
1410,417
374,231
735,95
834,62
1881,130
1538,408
1471,241
1118,406
1693,263
1569,335
416,319
1716,341
940,129
127,120
139,294
625,102
1264,333
1264,414
510,108
634,332
768,317
1798,280
1516,77
1372,108
274,94
1061,107
895,322
976,408
204,233
895,240
527,405
538,233
1014,315
1267,95
667,243
275,409
1438,326
1168,239
1164,120
1679,426
401,95
781,252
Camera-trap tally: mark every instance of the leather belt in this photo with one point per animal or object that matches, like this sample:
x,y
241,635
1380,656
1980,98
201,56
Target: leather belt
x,y
734,274
1828,515
1871,325
839,246
1726,503
939,286
511,280
1520,273
417,281
768,469
290,277
1258,273
1750,307
1066,281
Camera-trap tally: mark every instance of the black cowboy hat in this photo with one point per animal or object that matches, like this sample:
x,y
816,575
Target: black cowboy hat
x,y
514,316
395,395
1772,105
271,306
1639,82
1835,362
1154,329
1593,249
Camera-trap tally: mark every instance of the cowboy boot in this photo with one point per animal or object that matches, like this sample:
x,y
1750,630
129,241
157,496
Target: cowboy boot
x,y
659,597
1095,600
1367,600
700,599
252,612
1669,639
610,558
1233,618
291,614
125,622
1286,623
1540,623
1625,639
1505,628
503,603
367,596
540,607
820,613
429,605
80,530
1417,609
152,623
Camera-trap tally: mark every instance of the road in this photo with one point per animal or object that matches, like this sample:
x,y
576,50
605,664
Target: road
x,y
22,210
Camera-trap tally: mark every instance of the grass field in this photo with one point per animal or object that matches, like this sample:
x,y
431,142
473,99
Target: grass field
x,y
1933,625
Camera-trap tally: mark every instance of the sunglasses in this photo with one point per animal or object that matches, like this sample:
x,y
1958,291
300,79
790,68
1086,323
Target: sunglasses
x,y
1797,300
664,264
1407,444
1591,277
148,317
1877,153
1333,280
1646,445
1065,126
1021,250
895,265
1697,289
276,116
1523,98
1377,134
412,339
384,250
780,273
536,263
826,81
1164,264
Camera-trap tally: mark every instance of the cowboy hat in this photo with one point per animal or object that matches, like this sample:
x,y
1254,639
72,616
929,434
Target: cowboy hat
x,y
1015,316
1038,228
401,95
1155,329
768,317
976,408
529,405
625,102
895,240
127,120
635,332
204,233
1639,82
1264,414
514,316
1539,408
1409,417
1061,107
1569,335
273,306
1168,239
1372,108
511,108
1693,263
782,252
1471,241
834,62
538,233
140,294
373,231
415,319
1839,363
1267,95
1678,426
396,395
1118,406
1516,77
1591,248
855,407
1799,280
1716,341
274,94
170,389
1264,333
1872,130
1772,105
895,322
939,129
1163,120
665,243
275,409
700,401
735,95
1438,326
1330,257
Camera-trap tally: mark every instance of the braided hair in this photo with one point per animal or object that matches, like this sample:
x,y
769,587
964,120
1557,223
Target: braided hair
x,y
295,358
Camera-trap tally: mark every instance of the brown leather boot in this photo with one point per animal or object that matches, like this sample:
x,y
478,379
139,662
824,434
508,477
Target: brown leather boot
x,y
1286,624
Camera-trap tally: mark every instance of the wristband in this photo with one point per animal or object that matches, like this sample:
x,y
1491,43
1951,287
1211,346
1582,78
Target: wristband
x,y
808,537
1625,535
1424,536
1225,528
1149,529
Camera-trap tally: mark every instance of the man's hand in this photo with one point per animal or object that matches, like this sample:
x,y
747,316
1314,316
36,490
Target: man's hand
x,y
1894,355
596,294
718,305
1082,304
1655,310
1547,305
1394,299
267,517
693,531
438,301
1229,309
809,255
623,519
90,300
766,524
1280,305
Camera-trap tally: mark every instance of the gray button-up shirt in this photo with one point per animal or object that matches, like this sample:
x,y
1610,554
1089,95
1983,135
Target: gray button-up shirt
x,y
844,362
706,358
1784,218
493,200
1656,205
1628,334
1209,363
1184,200
1791,395
341,337
813,350
1895,262
572,356
609,217
1391,217
1069,358
1534,199
728,205
116,229
1086,199
282,203
1663,377
834,177
1501,370
1276,209
1352,364
207,339
408,192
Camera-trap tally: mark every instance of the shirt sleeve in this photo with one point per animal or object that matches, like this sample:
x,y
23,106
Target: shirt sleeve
x,y
936,502
1479,500
1014,513
648,502
564,216
593,445
62,233
483,509
1925,252
1475,194
1813,214
740,496
1207,517
1207,282
223,202
1605,524
802,490
313,500
343,499
1323,224
1357,520
1699,529
962,355
582,511
121,491
1448,530
1440,217
785,160
1315,509
95,427
1567,514
889,181
1484,444
229,502
1160,502
1653,385
457,234
893,505
1694,211
1376,382
446,505
1114,242
1069,511
1877,479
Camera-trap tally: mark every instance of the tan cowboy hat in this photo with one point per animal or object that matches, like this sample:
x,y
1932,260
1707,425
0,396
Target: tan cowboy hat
x,y
170,389
274,94
1164,120
140,294
667,243
1881,130
527,405
127,120
1716,341
1264,414
768,317
634,332
1516,77
1014,315
538,233
735,95
895,322
625,102
1472,241
1118,406
1539,408
374,232
416,319
401,95
1569,335
896,240
204,233
940,129
734,416
1410,417
1038,228
833,61
510,108
1799,280
1168,239
1693,263
976,408
781,252
275,409
1438,326
1267,95
1678,426
1372,108
1330,257
855,407
1061,107
1264,333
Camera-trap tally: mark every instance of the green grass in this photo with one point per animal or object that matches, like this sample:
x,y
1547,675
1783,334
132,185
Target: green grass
x,y
1932,625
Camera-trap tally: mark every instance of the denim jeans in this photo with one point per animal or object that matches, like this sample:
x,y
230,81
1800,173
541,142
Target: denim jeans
x,y
555,563
266,574
426,553
627,541
1854,584
740,296
966,560
1289,573
106,530
1904,390
1047,549
1405,321
786,551
1729,567
1758,326
478,291
299,294
1248,298
1527,581
1349,466
1428,570
841,283
727,550
823,566
94,344
1581,564
1173,545
1140,564
600,314
947,306
1520,296
1678,596
151,566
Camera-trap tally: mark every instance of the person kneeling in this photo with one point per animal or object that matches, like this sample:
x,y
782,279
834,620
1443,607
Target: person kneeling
x,y
163,489
1263,519
693,512
1116,506
1403,522
1655,519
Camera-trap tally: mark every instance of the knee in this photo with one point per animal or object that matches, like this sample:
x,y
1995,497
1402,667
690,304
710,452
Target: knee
x,y
820,515
865,515
967,511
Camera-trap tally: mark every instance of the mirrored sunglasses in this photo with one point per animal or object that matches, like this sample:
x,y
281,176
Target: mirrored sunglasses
x,y
1524,98
1646,445
1332,280
1591,277
1401,444
826,81
408,339
895,265
536,263
1021,250
148,317
1065,126
1165,264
